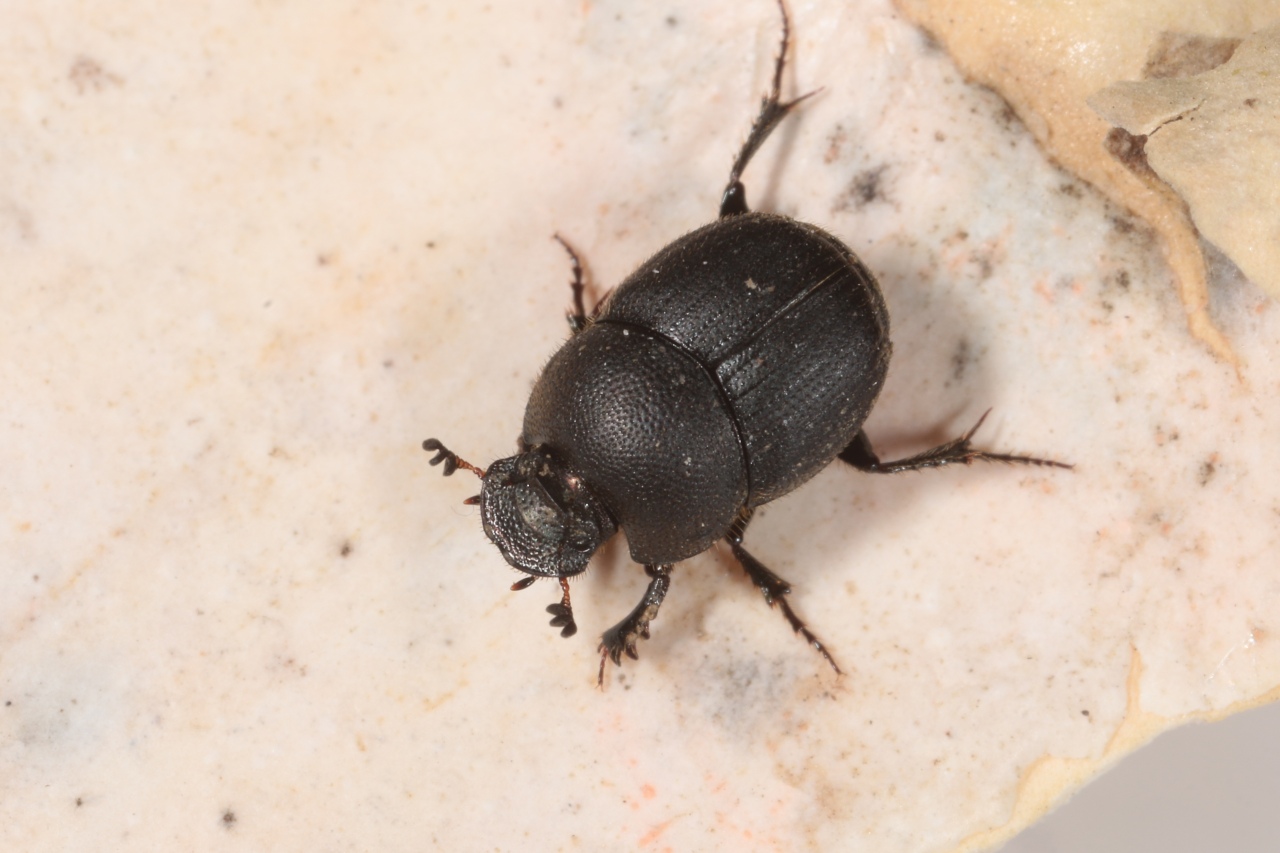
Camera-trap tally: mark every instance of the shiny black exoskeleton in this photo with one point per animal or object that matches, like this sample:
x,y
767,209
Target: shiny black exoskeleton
x,y
726,371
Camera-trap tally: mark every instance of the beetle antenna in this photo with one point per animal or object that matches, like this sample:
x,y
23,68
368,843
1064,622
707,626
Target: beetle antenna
x,y
452,462
563,612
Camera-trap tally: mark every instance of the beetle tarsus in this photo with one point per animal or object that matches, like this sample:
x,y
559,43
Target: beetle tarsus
x,y
452,462
860,455
622,638
775,591
772,111
578,319
563,612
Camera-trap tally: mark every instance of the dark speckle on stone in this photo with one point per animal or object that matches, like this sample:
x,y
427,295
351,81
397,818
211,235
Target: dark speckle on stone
x,y
1130,150
1122,224
228,818
960,359
346,548
836,142
1183,55
88,75
866,187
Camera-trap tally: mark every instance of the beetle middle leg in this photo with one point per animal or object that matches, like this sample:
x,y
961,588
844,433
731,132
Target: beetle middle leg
x,y
772,111
860,455
622,638
774,588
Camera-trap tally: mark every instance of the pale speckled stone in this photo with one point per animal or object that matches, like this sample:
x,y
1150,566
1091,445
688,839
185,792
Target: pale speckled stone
x,y
255,253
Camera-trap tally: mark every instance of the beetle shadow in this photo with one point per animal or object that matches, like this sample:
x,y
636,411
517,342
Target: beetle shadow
x,y
939,372
940,382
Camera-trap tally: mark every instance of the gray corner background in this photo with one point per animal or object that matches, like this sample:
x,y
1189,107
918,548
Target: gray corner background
x,y
1202,787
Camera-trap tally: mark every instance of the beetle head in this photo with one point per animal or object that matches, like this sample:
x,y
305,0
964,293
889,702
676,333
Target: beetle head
x,y
541,516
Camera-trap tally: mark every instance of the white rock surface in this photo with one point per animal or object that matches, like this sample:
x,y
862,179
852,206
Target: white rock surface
x,y
254,254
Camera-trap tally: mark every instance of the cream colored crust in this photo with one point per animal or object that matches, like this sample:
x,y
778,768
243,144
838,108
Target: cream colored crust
x,y
1215,138
1048,58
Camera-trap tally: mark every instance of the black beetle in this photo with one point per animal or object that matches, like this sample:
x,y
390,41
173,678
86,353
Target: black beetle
x,y
726,371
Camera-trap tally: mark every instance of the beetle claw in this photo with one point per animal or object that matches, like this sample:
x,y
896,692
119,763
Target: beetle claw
x,y
613,645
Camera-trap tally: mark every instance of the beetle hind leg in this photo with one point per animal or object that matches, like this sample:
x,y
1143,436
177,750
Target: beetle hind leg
x,y
774,589
772,111
860,455
622,638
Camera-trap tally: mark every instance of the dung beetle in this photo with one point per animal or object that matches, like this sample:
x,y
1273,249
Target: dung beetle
x,y
728,369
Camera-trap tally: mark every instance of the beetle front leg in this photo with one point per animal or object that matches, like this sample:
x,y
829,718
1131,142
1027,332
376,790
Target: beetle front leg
x,y
578,319
860,455
774,588
622,638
